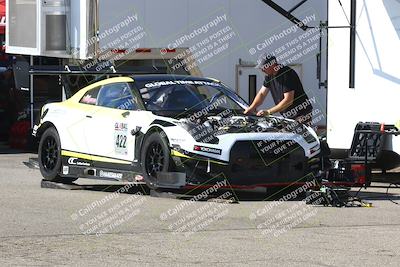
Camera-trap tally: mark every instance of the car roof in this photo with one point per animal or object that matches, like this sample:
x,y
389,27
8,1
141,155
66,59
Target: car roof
x,y
140,78
169,77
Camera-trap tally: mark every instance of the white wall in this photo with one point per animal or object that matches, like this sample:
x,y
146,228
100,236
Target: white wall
x,y
377,79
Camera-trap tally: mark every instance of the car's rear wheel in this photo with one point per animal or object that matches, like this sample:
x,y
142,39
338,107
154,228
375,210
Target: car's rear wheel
x,y
155,158
49,155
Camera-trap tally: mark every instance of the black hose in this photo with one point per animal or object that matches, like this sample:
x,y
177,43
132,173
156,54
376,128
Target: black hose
x,y
397,185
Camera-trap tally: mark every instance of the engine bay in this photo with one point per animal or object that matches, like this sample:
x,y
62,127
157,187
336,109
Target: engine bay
x,y
237,124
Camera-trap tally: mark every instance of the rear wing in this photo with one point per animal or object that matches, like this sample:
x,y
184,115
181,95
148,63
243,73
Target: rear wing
x,y
113,63
178,58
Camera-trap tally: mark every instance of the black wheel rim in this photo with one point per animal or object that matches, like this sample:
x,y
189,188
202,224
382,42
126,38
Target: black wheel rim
x,y
49,153
154,159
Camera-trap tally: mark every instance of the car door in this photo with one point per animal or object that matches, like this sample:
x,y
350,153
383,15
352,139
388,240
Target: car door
x,y
108,131
75,121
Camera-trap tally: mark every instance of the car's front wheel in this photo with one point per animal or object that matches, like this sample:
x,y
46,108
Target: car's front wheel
x,y
49,155
155,158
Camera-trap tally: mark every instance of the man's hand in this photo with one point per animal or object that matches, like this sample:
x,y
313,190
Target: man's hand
x,y
258,100
263,113
248,111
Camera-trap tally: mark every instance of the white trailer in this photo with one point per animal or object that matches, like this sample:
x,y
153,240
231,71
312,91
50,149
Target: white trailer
x,y
375,95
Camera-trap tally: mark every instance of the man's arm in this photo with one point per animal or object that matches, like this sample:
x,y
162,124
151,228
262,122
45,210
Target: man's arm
x,y
286,102
258,100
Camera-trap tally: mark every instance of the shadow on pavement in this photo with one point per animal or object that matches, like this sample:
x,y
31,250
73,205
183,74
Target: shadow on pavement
x,y
6,150
390,190
271,194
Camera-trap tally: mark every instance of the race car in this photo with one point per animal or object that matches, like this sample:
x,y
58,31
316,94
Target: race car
x,y
170,131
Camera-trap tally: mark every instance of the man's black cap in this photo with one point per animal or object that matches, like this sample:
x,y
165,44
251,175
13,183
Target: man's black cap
x,y
265,60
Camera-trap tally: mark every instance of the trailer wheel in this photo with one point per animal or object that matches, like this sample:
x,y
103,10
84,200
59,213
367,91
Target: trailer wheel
x,y
49,155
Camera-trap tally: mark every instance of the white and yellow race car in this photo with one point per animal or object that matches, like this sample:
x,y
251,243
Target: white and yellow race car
x,y
172,131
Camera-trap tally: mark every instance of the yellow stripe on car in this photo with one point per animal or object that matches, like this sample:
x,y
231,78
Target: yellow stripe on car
x,y
94,158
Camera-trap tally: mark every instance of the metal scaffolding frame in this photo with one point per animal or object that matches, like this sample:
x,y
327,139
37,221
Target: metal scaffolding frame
x,y
352,25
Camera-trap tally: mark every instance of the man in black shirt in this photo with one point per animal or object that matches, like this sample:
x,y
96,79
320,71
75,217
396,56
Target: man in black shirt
x,y
286,89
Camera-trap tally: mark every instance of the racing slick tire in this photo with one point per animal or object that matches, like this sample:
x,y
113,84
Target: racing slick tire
x,y
155,157
49,155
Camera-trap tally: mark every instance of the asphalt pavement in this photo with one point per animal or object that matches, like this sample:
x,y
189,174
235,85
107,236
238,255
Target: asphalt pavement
x,y
123,226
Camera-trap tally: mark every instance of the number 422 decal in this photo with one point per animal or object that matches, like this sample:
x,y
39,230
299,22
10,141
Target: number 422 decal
x,y
121,141
120,138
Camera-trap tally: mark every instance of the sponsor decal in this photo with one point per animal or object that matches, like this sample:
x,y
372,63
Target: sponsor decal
x,y
113,175
65,169
166,83
178,140
139,178
76,161
120,126
208,149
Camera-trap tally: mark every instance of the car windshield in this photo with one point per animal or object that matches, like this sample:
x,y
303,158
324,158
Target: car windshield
x,y
185,96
